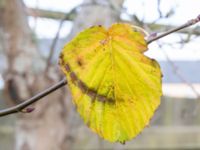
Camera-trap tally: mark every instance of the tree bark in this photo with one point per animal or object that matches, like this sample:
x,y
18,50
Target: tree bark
x,y
54,125
46,127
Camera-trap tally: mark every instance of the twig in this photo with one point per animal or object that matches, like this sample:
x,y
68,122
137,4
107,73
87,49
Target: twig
x,y
189,23
158,8
21,106
53,45
175,69
60,15
66,16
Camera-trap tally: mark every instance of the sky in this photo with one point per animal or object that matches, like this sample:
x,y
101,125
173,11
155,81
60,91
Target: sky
x,y
146,9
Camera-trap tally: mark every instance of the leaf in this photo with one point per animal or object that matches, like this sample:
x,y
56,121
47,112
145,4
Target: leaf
x,y
115,87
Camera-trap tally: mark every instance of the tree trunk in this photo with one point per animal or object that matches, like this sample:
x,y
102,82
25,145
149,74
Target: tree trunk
x,y
46,127
54,124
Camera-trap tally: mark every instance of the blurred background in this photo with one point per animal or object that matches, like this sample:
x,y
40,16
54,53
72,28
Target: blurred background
x,y
32,34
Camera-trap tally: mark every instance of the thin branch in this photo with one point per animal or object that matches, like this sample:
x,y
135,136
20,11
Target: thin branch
x,y
159,9
47,14
176,71
23,105
57,15
189,23
53,45
20,107
65,17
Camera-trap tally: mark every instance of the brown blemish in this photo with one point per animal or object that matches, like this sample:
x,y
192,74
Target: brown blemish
x,y
61,62
67,68
101,98
83,87
123,142
61,56
73,76
92,94
79,61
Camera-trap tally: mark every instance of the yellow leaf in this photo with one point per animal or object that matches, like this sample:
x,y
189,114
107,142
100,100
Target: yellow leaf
x,y
115,87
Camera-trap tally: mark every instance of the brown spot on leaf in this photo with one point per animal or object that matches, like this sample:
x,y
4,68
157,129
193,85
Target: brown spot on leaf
x,y
79,61
73,76
67,68
123,142
92,94
102,98
61,62
82,86
61,56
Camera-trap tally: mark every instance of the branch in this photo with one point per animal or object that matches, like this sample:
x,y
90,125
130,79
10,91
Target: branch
x,y
52,48
23,105
176,71
48,14
63,16
187,24
57,15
